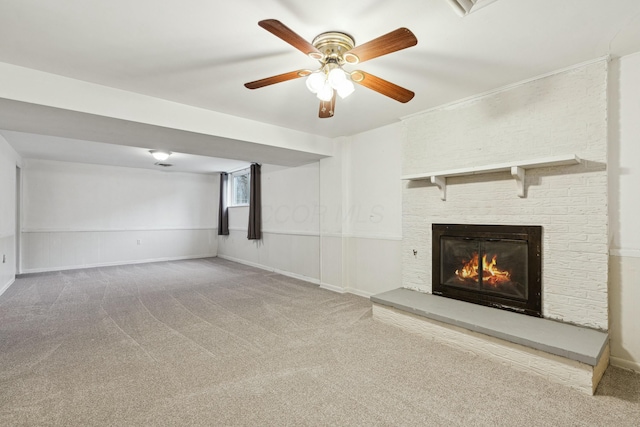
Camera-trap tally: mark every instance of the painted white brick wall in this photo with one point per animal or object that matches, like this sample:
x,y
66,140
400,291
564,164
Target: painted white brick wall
x,y
565,113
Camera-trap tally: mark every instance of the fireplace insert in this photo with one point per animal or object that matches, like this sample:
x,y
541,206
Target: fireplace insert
x,y
493,265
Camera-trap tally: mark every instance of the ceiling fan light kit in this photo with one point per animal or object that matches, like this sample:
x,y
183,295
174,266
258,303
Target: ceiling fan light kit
x,y
333,50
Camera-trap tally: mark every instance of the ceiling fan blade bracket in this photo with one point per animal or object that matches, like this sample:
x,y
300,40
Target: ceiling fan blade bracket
x,y
357,76
350,58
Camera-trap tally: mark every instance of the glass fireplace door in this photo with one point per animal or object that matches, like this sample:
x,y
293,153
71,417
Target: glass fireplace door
x,y
494,266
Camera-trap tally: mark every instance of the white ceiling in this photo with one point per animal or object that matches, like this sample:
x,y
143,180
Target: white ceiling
x,y
200,53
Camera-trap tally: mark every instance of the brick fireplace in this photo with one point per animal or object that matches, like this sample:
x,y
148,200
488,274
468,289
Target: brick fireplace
x,y
482,150
562,114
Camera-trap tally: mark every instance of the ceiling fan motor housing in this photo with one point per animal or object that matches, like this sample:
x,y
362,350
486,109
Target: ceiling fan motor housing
x,y
333,45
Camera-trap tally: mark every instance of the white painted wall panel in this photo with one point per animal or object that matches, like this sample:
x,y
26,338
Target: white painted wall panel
x,y
375,189
373,213
76,196
80,215
289,254
624,205
9,159
291,215
374,265
290,198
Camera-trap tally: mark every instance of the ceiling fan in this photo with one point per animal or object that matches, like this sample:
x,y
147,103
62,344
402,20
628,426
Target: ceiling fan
x,y
333,50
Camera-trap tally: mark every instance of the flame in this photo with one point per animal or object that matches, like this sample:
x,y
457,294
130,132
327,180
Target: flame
x,y
491,274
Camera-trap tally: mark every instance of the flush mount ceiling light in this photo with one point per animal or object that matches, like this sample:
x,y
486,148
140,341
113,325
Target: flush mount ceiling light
x,y
334,50
160,155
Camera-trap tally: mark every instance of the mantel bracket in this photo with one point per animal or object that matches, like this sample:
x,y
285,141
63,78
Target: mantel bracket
x,y
441,183
518,174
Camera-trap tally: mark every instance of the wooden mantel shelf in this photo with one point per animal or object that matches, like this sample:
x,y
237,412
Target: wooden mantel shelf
x,y
517,169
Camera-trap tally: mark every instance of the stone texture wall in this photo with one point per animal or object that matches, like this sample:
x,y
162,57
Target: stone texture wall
x,y
563,114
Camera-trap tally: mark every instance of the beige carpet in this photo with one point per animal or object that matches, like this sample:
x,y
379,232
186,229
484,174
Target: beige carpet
x,y
214,343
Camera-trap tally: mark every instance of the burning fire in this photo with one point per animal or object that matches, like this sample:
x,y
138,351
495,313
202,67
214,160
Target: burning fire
x,y
491,274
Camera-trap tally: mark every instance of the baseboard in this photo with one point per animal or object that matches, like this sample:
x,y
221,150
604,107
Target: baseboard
x,y
359,292
625,364
271,269
112,264
6,285
333,288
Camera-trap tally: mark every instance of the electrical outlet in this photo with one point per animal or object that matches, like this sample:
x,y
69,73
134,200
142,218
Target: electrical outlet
x,y
139,242
4,258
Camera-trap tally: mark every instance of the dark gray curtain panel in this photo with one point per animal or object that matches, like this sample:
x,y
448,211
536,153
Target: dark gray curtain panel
x,y
255,204
223,211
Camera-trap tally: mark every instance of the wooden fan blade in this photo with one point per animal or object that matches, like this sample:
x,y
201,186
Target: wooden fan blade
x,y
382,86
280,30
394,41
328,108
276,79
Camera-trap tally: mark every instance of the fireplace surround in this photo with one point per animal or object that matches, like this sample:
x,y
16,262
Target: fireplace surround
x,y
493,265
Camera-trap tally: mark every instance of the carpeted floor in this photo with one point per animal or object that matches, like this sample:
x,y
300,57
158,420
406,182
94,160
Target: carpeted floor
x,y
213,343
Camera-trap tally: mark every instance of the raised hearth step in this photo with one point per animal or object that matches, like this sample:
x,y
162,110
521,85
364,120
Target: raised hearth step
x,y
572,342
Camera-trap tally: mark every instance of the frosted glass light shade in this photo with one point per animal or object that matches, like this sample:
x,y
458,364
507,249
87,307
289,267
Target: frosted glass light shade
x,y
345,89
315,82
336,77
326,93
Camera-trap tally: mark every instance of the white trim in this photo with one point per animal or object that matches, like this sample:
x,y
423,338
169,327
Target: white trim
x,y
625,364
630,253
360,293
332,235
6,286
115,263
374,236
333,288
119,230
293,233
231,172
286,233
272,269
506,88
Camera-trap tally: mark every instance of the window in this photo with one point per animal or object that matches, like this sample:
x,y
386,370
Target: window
x,y
239,182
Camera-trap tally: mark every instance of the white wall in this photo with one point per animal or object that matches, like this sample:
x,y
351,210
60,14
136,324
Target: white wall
x,y
373,214
9,159
290,224
624,206
336,222
80,215
562,114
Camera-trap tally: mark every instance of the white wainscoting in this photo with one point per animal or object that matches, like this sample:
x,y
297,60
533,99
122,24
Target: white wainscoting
x,y
374,263
291,253
361,265
8,267
624,319
51,250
